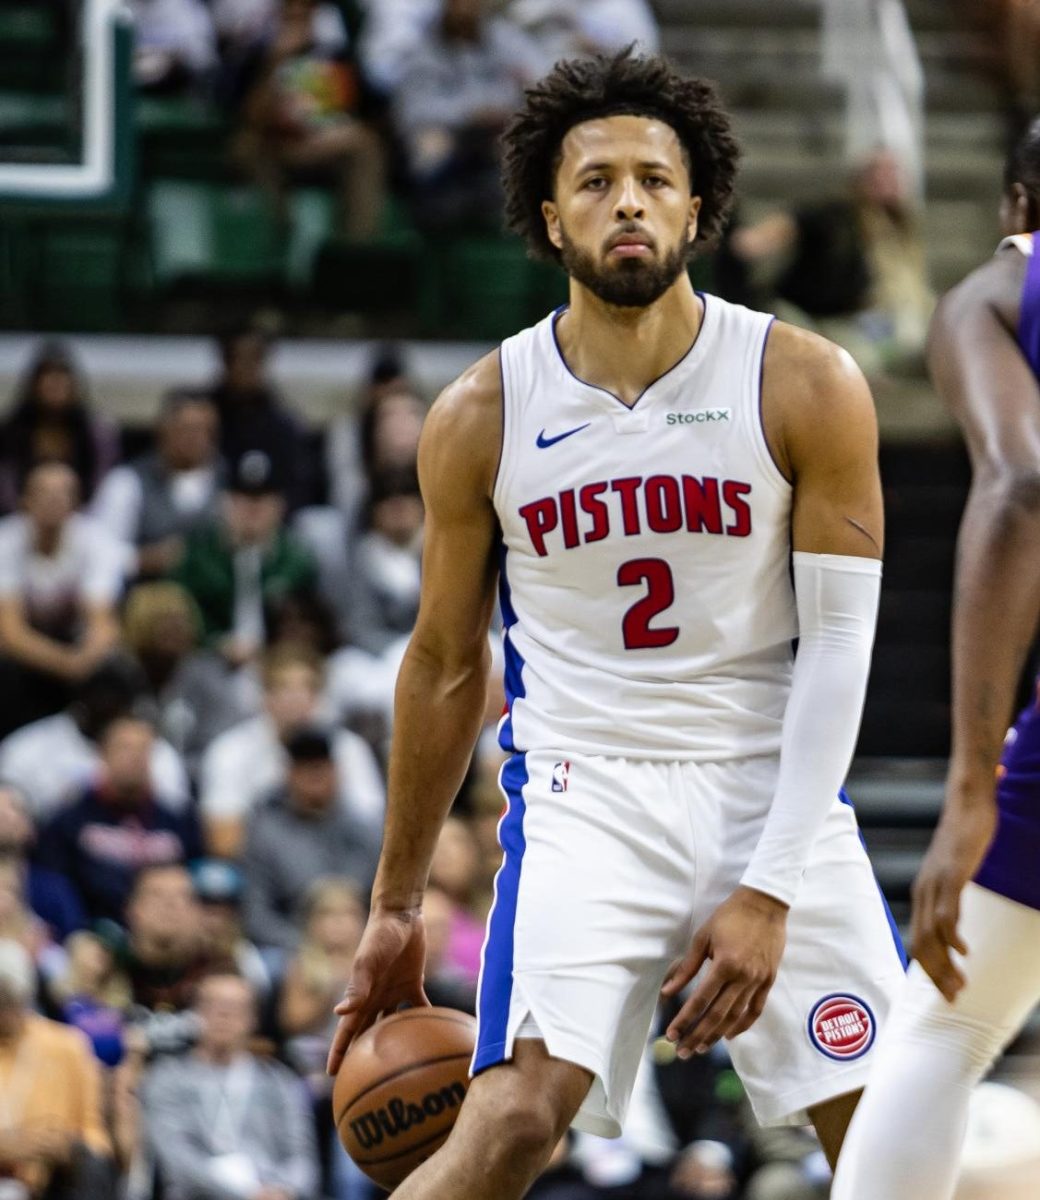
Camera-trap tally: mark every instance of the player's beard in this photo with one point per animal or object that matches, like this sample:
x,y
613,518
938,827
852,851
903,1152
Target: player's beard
x,y
625,282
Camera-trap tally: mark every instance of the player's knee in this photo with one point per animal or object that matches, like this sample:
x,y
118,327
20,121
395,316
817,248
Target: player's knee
x,y
523,1126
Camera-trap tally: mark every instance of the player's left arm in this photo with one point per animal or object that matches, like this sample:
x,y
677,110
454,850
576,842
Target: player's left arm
x,y
822,431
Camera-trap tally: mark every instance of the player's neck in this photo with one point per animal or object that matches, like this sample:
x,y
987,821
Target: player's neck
x,y
625,349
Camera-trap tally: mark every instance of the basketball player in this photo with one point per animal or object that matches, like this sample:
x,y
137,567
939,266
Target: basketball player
x,y
977,974
635,472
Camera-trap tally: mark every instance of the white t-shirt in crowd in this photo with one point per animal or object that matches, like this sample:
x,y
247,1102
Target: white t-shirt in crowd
x,y
50,761
120,498
242,766
88,568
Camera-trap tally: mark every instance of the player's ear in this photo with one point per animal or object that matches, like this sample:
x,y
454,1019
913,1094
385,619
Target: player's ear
x,y
691,222
552,223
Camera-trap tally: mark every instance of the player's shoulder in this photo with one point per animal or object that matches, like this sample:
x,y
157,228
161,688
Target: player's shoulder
x,y
801,366
995,286
814,398
462,435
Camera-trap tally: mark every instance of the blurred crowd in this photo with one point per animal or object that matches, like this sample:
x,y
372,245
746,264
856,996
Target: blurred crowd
x,y
200,629
364,94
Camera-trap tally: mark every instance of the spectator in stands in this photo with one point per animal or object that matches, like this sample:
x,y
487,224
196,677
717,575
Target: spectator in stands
x,y
253,416
443,982
459,86
223,1122
53,759
218,890
61,576
300,833
93,994
192,688
385,433
382,600
17,919
240,565
249,761
52,1139
855,267
50,895
51,421
154,502
302,114
117,825
331,920
456,870
175,46
391,32
572,28
165,954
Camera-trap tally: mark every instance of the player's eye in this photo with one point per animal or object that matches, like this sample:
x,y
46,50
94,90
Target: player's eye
x,y
595,183
655,181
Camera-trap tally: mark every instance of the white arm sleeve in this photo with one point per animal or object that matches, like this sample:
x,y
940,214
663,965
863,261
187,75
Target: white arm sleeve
x,y
837,599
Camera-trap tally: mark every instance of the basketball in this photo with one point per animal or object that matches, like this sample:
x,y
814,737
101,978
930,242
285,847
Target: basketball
x,y
398,1091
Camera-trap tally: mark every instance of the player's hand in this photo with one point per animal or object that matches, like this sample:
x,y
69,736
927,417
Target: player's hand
x,y
744,939
387,973
960,843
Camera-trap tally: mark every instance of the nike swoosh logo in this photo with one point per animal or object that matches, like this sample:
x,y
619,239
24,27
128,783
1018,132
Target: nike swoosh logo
x,y
542,441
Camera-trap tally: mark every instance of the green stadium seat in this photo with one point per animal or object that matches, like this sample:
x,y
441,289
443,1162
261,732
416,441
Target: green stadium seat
x,y
223,235
32,56
182,139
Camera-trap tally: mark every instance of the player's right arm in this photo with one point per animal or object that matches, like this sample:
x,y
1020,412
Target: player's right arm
x,y
984,379
441,691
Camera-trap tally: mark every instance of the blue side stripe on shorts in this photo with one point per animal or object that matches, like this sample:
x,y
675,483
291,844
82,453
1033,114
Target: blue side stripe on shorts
x,y
496,976
843,796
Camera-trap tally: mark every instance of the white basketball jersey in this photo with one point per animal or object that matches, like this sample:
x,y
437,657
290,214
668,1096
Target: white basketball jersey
x,y
646,587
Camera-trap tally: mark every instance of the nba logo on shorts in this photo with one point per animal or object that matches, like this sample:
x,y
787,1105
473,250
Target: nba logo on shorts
x,y
560,774
842,1027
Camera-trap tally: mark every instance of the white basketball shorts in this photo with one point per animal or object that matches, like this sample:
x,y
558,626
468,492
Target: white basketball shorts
x,y
610,865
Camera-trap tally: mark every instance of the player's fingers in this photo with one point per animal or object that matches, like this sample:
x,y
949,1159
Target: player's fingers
x,y
937,964
697,1003
358,989
947,918
705,1031
684,969
755,1007
346,1031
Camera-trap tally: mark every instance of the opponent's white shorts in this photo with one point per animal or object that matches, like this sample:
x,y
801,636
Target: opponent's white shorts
x,y
609,867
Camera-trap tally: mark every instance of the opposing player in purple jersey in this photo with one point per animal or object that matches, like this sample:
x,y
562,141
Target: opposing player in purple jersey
x,y
976,923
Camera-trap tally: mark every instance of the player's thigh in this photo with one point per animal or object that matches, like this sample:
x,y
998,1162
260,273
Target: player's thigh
x,y
592,902
529,1100
843,965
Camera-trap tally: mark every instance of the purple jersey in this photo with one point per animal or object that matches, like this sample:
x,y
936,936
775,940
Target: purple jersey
x,y
1012,865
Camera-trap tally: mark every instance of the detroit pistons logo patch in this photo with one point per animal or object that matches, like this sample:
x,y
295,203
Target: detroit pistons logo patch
x,y
842,1027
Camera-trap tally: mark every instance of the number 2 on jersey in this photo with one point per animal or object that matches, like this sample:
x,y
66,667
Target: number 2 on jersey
x,y
660,594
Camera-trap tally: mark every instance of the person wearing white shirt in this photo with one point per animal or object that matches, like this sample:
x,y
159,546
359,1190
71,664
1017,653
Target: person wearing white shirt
x,y
249,761
52,759
154,501
61,575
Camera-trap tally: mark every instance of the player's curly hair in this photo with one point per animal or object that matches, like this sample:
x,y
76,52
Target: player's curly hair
x,y
624,84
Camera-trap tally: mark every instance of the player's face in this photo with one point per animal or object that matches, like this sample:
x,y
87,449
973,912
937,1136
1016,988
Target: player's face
x,y
623,215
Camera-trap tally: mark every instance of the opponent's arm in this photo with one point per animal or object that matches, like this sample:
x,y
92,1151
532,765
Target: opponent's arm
x,y
441,691
984,379
821,428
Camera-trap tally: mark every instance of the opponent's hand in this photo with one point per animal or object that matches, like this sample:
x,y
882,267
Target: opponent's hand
x,y
961,840
387,973
744,939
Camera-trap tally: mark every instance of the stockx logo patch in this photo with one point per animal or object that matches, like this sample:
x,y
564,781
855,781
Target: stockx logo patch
x,y
698,416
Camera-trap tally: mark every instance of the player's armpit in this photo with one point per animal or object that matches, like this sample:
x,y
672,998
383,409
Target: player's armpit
x,y
821,426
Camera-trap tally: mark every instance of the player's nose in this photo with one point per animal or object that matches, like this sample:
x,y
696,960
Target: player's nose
x,y
629,203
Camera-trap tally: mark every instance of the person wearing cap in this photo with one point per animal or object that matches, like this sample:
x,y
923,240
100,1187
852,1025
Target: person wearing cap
x,y
245,561
53,1140
218,889
300,834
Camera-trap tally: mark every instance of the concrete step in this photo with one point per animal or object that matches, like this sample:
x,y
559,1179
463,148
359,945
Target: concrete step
x,y
824,132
